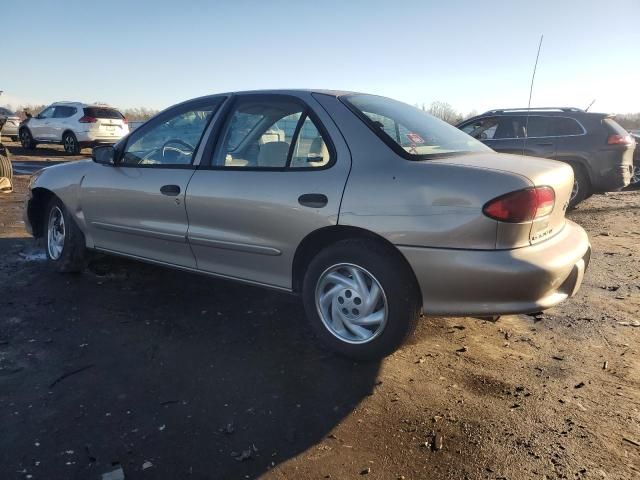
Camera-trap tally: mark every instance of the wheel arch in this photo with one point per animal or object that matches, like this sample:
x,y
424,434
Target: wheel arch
x,y
582,164
37,209
319,239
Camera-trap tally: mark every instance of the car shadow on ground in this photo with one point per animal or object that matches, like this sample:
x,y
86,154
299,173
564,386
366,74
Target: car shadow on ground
x,y
131,363
44,150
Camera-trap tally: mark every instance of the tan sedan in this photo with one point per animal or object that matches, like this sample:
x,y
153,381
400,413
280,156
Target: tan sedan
x,y
373,211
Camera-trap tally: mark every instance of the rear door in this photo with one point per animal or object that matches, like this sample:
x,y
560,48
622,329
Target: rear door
x,y
138,206
514,134
276,174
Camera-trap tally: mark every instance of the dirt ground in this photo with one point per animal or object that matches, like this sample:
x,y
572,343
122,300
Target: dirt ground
x,y
157,374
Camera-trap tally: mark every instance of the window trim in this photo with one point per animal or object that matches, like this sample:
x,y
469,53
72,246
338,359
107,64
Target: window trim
x,y
163,116
307,111
584,130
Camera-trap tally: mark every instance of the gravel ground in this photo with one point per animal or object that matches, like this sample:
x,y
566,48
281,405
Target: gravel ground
x,y
129,368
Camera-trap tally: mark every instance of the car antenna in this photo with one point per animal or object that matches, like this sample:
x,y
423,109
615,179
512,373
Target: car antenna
x,y
587,109
533,77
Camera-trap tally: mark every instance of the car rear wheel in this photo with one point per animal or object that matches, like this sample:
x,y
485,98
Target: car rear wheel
x,y
64,241
70,144
26,139
581,187
361,300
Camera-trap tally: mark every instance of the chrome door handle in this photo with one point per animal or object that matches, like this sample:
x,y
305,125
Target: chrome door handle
x,y
313,200
170,190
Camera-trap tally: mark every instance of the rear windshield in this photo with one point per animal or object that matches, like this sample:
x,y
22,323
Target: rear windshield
x,y
101,112
614,127
410,131
6,112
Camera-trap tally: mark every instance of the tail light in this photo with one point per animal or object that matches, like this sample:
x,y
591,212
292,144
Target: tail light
x,y
521,205
88,119
620,140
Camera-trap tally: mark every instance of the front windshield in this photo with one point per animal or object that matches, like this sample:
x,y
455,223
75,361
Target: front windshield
x,y
410,130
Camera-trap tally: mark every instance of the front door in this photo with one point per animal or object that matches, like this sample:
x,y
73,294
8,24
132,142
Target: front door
x,y
137,207
40,125
276,175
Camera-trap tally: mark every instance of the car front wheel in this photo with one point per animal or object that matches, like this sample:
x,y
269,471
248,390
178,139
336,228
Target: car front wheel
x,y
635,176
26,139
361,300
64,241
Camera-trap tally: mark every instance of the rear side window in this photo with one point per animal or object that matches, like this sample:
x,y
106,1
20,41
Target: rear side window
x,y
409,131
561,126
271,132
6,112
101,112
63,112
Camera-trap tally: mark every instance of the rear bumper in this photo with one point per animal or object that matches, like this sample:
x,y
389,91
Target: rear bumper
x,y
613,170
501,282
10,130
90,139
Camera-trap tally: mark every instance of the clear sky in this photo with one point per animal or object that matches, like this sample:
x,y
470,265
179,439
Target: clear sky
x,y
475,55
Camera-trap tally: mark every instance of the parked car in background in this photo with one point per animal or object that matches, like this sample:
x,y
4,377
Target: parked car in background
x,y
74,125
12,122
598,149
370,209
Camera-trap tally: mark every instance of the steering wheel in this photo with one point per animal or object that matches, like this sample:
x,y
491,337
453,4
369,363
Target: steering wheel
x,y
177,141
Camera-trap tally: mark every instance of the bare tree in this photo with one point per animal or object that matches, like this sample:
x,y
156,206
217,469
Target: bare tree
x,y
445,112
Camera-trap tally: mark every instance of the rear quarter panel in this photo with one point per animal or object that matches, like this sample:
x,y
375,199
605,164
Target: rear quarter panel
x,y
416,203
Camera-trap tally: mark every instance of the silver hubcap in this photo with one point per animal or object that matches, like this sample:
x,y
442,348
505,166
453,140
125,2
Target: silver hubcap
x,y
69,144
575,189
351,303
635,177
24,137
55,233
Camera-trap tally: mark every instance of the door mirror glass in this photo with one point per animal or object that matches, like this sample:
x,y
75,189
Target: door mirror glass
x,y
105,155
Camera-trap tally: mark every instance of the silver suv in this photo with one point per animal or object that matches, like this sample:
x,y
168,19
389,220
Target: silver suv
x,y
74,125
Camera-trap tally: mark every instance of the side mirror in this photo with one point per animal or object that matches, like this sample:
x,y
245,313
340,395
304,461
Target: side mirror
x,y
105,155
27,114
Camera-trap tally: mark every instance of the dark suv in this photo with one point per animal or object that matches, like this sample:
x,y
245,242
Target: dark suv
x,y
598,149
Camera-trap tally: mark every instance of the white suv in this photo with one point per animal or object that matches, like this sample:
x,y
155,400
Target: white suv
x,y
74,125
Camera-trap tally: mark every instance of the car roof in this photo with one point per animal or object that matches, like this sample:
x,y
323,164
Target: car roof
x,y
81,104
571,112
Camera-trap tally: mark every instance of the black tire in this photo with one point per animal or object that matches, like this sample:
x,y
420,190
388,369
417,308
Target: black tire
x,y
393,275
582,187
73,254
26,139
70,144
6,168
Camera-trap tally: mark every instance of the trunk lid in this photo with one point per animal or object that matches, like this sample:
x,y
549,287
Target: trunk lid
x,y
110,122
539,172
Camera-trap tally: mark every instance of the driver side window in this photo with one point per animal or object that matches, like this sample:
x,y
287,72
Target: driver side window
x,y
172,140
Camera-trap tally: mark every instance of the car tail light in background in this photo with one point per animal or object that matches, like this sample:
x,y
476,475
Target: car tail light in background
x,y
521,205
88,119
620,140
